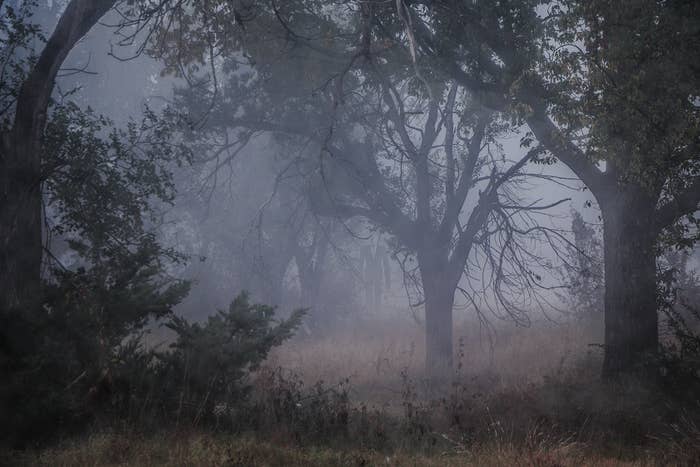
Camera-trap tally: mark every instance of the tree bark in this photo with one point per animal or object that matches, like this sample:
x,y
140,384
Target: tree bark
x,y
438,332
21,247
20,238
631,321
439,292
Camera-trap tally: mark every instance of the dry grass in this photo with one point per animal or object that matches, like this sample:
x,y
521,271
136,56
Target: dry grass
x,y
529,397
378,354
218,450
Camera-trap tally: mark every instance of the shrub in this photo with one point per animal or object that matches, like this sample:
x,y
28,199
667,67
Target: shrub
x,y
60,359
205,372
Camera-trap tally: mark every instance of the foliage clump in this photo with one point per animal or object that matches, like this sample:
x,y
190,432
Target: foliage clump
x,y
208,363
679,295
584,269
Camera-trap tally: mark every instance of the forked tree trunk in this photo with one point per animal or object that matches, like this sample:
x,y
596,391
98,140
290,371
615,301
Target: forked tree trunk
x,y
631,321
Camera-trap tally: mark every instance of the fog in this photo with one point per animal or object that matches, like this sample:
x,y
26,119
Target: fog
x,y
400,229
120,82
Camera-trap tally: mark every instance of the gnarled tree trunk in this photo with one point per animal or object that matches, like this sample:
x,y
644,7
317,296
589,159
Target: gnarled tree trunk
x,y
631,321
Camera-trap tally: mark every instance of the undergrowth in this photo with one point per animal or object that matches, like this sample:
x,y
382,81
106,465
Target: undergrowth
x,y
560,421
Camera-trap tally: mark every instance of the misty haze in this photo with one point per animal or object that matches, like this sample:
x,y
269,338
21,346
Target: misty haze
x,y
349,232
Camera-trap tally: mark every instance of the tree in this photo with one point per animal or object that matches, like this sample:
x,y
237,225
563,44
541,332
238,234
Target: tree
x,y
21,247
244,217
101,194
429,175
598,83
410,154
376,273
27,80
70,178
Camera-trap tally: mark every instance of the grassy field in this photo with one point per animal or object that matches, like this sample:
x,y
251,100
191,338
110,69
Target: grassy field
x,y
200,449
528,397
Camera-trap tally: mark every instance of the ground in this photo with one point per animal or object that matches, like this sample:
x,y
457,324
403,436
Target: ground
x,y
357,397
198,449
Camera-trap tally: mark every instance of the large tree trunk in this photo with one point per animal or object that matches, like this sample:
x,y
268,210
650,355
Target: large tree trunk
x,y
20,231
21,247
438,332
631,322
439,292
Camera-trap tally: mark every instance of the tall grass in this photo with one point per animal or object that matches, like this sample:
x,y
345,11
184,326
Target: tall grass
x,y
359,397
